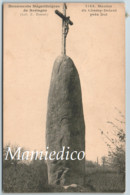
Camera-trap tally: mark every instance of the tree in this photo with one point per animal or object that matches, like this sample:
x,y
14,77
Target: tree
x,y
9,162
103,159
115,140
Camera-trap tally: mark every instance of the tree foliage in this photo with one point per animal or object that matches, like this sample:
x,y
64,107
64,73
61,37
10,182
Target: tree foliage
x,y
115,140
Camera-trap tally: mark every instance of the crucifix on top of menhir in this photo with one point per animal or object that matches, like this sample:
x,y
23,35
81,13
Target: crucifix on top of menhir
x,y
65,126
65,26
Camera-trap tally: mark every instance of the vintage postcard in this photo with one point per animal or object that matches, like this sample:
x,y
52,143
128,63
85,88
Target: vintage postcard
x,y
63,97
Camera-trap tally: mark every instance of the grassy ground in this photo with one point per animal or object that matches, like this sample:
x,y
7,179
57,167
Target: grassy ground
x,y
33,178
104,180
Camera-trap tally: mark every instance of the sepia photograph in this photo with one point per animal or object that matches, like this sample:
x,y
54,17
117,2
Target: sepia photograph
x,y
64,97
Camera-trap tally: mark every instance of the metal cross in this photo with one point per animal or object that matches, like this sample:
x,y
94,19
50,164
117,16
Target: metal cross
x,y
65,26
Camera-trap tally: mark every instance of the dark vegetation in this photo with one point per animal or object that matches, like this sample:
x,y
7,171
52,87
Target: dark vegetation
x,y
104,178
32,177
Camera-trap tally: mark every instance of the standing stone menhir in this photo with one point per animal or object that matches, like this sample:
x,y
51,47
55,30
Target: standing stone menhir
x,y
65,121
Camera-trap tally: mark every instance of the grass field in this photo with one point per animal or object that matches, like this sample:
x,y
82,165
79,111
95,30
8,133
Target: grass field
x,y
104,180
33,178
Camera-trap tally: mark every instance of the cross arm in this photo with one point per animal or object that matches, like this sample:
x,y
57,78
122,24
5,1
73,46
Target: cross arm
x,y
67,19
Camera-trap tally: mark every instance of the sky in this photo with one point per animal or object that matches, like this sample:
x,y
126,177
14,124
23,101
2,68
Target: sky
x,y
32,42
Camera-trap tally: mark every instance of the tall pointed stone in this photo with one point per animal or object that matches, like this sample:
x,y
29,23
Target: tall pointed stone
x,y
65,123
